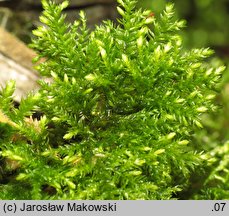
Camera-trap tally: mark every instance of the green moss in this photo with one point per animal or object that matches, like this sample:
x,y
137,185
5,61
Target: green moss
x,y
118,119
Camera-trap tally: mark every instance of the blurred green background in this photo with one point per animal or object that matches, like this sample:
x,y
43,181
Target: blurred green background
x,y
207,21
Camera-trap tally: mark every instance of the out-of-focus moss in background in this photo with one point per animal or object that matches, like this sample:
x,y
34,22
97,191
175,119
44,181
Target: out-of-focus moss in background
x,y
207,22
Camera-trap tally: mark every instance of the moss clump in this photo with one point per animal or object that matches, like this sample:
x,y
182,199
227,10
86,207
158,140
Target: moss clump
x,y
118,118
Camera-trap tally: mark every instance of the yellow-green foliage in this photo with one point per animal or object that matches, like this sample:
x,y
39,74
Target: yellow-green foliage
x,y
117,120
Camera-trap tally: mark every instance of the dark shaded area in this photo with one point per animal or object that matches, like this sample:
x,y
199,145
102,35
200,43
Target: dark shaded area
x,y
22,16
